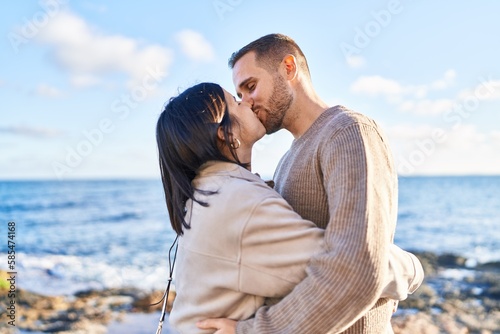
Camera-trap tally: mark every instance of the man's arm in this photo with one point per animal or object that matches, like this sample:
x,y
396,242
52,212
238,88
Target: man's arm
x,y
346,280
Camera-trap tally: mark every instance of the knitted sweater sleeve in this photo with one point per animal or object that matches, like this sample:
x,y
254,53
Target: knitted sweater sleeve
x,y
347,279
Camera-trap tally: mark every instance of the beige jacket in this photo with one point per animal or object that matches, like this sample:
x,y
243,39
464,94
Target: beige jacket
x,y
249,245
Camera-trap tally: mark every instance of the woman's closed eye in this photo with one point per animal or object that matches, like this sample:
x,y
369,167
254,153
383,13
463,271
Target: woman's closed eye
x,y
237,101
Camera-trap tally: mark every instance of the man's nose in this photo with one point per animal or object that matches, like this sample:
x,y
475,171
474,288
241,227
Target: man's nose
x,y
247,99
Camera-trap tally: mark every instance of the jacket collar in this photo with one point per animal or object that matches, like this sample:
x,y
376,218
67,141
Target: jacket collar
x,y
221,168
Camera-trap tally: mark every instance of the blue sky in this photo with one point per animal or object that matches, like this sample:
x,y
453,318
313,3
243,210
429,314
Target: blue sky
x,y
83,82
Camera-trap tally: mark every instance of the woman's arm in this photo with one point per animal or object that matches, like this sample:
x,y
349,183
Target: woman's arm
x,y
275,247
405,274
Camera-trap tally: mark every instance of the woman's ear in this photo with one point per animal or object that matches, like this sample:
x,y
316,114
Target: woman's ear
x,y
222,136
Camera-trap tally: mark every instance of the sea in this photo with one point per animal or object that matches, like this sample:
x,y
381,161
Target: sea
x,y
94,234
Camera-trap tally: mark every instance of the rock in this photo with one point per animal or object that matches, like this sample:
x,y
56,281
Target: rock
x,y
131,292
7,329
54,326
468,303
69,314
451,261
145,304
423,299
85,326
448,324
455,303
489,266
420,323
429,261
85,312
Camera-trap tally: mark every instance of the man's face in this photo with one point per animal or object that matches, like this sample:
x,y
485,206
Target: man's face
x,y
268,93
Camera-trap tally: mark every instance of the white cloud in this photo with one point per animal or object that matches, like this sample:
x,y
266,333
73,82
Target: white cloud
x,y
408,132
195,46
30,131
418,92
486,90
463,138
413,98
446,81
268,151
427,107
355,61
48,91
495,137
84,80
88,54
402,137
376,85
429,150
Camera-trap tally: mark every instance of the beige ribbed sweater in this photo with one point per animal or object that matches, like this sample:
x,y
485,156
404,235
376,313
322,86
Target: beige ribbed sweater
x,y
340,175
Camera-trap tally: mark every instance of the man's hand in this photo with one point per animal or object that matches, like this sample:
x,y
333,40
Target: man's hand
x,y
223,326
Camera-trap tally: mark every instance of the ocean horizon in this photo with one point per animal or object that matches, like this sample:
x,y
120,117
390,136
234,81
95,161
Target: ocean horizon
x,y
76,235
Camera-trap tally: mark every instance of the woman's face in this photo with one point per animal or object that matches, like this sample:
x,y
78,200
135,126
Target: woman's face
x,y
249,129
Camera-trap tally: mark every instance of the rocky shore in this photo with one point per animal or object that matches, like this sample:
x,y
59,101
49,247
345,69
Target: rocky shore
x,y
455,298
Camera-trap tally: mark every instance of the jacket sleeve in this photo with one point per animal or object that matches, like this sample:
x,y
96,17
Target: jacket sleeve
x,y
404,276
347,279
276,246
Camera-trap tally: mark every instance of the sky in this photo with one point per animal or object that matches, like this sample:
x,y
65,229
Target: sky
x,y
82,83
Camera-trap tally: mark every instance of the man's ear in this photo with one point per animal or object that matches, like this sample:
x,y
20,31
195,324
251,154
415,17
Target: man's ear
x,y
290,63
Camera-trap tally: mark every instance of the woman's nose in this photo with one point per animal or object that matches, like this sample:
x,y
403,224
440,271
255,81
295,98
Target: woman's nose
x,y
247,99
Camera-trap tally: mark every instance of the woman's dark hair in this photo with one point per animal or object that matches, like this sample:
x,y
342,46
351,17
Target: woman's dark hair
x,y
186,134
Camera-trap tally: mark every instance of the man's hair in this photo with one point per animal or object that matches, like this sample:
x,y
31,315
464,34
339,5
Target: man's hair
x,y
270,51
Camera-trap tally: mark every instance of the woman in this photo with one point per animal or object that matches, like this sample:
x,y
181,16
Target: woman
x,y
242,244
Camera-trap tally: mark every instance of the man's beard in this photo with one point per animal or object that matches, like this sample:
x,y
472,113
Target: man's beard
x,y
279,103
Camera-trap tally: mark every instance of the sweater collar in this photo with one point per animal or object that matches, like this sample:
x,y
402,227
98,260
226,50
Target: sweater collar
x,y
318,123
222,168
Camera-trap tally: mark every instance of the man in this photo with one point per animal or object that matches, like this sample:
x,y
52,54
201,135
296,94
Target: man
x,y
338,173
